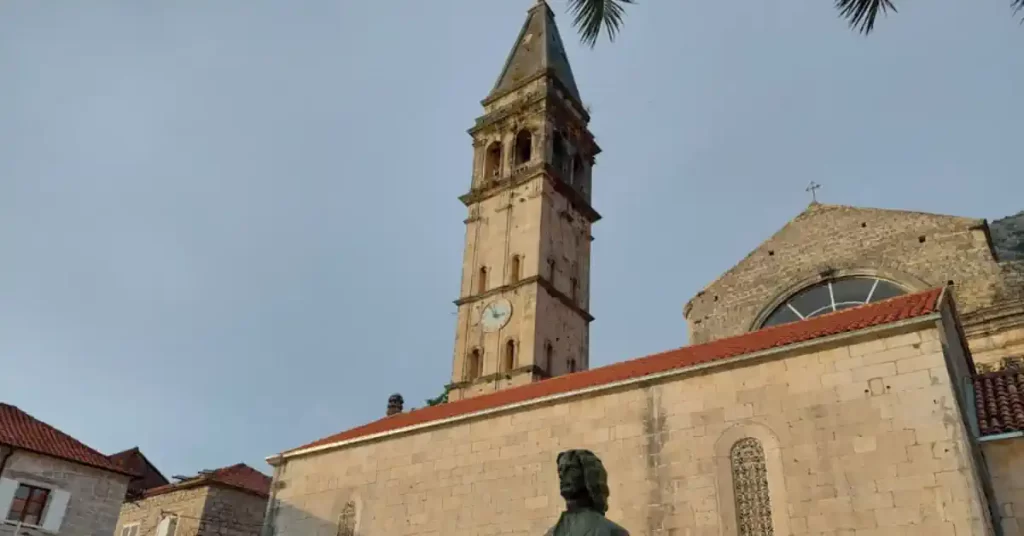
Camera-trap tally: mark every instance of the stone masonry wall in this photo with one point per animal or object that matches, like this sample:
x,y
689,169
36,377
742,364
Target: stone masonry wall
x,y
188,504
230,512
201,511
864,438
96,494
887,243
1004,461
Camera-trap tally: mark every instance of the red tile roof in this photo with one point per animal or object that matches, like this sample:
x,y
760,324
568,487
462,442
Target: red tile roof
x,y
23,431
136,462
239,476
853,319
999,401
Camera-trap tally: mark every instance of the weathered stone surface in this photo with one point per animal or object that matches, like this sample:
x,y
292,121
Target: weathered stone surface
x,y
201,511
96,495
838,456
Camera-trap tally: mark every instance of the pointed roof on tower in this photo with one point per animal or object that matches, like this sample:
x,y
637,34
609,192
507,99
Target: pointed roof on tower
x,y
538,50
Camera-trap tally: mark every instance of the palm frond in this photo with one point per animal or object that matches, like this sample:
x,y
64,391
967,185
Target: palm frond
x,y
591,16
862,13
1017,6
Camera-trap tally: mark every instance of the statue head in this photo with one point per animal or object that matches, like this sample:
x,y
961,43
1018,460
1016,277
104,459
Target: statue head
x,y
583,480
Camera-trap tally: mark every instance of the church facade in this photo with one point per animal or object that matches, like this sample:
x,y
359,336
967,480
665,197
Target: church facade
x,y
853,375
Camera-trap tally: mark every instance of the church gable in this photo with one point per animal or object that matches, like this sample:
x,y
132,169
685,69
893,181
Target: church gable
x,y
911,249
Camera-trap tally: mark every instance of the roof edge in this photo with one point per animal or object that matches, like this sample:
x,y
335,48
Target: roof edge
x,y
924,319
124,472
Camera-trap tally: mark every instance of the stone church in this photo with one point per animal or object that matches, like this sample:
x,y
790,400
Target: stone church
x,y
855,374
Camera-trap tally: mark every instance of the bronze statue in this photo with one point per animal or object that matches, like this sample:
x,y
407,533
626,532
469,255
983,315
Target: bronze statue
x,y
583,483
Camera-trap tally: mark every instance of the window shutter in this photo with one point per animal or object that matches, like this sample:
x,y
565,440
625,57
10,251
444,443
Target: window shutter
x,y
55,510
7,489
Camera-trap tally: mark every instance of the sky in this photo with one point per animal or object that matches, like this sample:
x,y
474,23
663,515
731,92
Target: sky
x,y
231,228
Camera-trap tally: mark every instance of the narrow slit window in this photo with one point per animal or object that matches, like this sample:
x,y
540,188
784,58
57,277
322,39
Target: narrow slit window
x,y
475,364
514,267
481,283
510,355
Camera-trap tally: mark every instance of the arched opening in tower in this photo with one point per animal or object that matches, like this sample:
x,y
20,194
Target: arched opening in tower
x,y
492,164
560,154
577,170
524,147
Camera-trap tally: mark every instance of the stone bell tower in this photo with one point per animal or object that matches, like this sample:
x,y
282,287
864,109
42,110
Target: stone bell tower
x,y
525,294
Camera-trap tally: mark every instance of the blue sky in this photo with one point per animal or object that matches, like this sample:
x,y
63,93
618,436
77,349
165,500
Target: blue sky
x,y
229,228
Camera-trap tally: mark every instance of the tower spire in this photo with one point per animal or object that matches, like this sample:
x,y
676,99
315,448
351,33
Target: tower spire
x,y
538,51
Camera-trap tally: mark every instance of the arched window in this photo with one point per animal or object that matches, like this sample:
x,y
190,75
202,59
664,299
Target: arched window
x,y
492,163
551,269
577,170
481,282
514,267
572,365
830,296
574,287
560,154
475,364
750,488
510,355
524,147
549,357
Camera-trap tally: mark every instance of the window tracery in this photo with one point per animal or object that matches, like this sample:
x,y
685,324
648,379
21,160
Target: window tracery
x,y
750,489
830,296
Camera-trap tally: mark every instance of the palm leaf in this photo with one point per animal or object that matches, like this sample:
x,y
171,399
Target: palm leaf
x,y
862,14
591,16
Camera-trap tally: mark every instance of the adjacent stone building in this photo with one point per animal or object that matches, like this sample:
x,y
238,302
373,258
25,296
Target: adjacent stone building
x,y
227,502
51,483
857,374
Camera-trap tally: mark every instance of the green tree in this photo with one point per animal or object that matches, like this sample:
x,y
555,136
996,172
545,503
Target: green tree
x,y
591,17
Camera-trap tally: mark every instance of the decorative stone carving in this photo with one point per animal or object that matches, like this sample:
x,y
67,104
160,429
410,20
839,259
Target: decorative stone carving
x,y
347,520
750,487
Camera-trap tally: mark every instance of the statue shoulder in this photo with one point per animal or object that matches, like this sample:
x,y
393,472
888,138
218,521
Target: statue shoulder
x,y
613,529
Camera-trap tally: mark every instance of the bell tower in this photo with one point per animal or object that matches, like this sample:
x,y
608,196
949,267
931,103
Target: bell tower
x,y
525,295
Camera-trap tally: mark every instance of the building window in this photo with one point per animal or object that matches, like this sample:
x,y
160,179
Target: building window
x,y
551,270
481,283
830,296
549,357
750,488
28,505
573,289
577,170
130,530
572,365
510,355
524,147
560,155
475,363
168,526
492,161
514,267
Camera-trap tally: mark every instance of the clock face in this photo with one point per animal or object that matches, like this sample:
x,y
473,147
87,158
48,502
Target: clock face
x,y
496,315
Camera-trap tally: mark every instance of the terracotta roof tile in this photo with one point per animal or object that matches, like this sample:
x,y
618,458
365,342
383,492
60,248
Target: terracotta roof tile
x,y
875,314
239,476
23,431
999,400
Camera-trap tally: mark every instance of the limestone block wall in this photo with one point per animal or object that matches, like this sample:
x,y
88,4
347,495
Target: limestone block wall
x,y
230,512
95,494
1006,464
188,504
866,437
991,348
915,249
